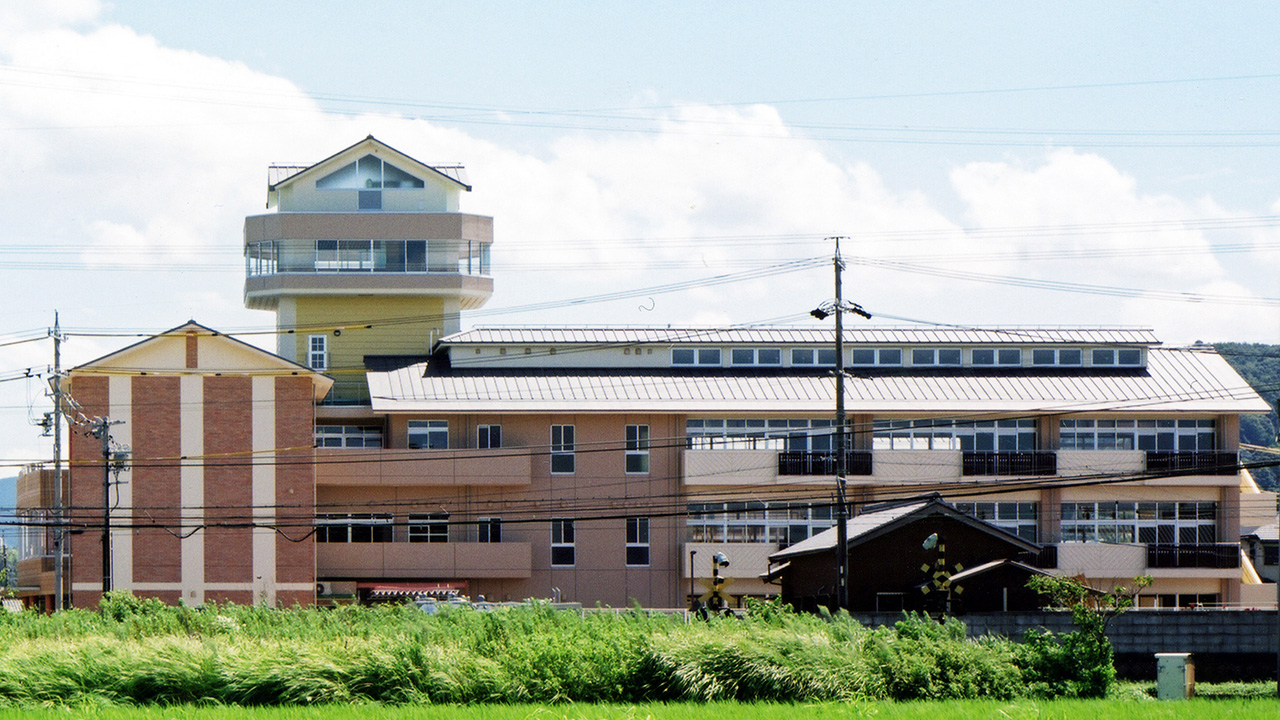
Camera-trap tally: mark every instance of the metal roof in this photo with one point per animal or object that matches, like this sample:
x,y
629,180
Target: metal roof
x,y
790,335
1173,381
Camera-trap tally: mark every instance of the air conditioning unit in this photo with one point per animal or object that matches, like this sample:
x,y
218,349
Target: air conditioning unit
x,y
324,588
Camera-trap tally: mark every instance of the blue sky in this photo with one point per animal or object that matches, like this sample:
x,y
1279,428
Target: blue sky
x,y
1036,164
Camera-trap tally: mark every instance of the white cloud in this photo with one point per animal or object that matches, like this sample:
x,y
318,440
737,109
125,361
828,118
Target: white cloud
x,y
122,150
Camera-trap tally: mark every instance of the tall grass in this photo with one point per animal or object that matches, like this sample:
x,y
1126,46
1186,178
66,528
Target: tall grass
x,y
141,651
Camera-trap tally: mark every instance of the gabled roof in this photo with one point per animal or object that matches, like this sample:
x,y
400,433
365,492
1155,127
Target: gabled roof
x,y
987,567
166,354
1174,380
1266,533
870,525
451,174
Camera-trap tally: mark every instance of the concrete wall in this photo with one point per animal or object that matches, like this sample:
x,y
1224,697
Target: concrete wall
x,y
1226,644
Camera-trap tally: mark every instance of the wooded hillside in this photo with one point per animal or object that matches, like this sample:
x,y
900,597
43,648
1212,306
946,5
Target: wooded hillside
x,y
1260,366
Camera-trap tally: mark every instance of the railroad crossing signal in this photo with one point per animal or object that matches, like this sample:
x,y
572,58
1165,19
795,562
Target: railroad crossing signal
x,y
715,598
940,580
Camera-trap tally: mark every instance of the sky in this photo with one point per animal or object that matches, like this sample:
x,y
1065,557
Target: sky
x,y
986,163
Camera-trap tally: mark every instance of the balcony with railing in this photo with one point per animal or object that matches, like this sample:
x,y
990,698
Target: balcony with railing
x,y
805,462
272,257
1010,463
1211,555
1193,462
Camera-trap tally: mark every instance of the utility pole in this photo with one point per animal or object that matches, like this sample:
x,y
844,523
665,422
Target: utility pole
x,y
100,431
59,552
839,308
842,469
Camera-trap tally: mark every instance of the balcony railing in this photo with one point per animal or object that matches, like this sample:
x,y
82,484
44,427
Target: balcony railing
x,y
1199,463
271,257
1219,555
1045,559
1010,463
804,462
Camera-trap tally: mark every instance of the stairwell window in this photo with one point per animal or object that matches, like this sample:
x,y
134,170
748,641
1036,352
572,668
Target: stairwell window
x,y
318,352
562,548
489,530
562,462
637,541
637,449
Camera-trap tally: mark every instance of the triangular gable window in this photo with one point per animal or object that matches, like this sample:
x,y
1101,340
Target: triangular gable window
x,y
368,173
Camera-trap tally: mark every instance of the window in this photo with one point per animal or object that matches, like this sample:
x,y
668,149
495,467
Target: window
x,y
877,356
684,357
637,449
945,434
813,356
1069,357
429,434
318,352
562,542
759,434
562,449
354,528
997,356
1158,435
637,541
756,356
1149,523
348,436
368,172
777,523
1124,357
1019,518
488,437
489,530
934,356
429,527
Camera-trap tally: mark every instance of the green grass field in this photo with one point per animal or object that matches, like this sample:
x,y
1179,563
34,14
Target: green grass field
x,y
1111,709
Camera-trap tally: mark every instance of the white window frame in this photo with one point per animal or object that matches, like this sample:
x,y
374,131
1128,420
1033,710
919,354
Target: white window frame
x,y
813,357
1112,357
488,437
1057,357
318,352
637,450
883,357
435,433
563,461
932,357
698,357
1000,357
637,542
429,527
753,357
562,539
348,436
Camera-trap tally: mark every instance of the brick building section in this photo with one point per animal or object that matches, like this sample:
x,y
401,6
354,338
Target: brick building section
x,y
86,462
157,446
295,489
228,486
204,423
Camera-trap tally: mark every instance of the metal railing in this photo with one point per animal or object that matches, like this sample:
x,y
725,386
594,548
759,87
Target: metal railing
x,y
805,462
1199,462
1215,555
1010,463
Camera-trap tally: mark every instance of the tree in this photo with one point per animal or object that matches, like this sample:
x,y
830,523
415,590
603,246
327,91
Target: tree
x,y
1081,663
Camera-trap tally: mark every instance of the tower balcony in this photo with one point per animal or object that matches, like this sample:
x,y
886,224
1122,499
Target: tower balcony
x,y
406,254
